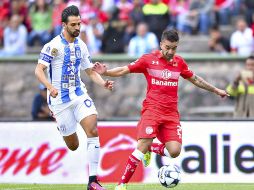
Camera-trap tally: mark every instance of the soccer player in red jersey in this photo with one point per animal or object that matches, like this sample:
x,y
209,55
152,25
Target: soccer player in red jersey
x,y
159,115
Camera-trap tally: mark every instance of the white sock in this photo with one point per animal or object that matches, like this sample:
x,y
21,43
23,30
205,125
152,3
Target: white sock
x,y
93,151
138,154
166,153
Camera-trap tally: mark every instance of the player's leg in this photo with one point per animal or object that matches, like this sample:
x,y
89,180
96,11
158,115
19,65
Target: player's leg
x,y
134,159
86,115
147,129
171,137
67,125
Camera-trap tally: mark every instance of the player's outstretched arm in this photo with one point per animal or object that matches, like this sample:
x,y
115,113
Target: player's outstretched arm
x,y
201,83
115,72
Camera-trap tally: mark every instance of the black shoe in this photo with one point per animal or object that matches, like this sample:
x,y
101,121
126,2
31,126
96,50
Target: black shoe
x,y
95,185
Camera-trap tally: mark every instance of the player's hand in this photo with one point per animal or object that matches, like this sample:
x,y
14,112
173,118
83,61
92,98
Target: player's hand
x,y
109,85
99,68
221,93
53,92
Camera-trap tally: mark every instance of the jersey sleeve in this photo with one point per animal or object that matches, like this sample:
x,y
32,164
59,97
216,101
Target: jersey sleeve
x,y
138,66
186,72
86,61
45,57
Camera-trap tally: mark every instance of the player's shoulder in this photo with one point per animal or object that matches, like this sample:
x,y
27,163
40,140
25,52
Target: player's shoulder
x,y
54,43
179,59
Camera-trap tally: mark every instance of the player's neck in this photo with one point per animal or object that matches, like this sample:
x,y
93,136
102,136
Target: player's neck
x,y
68,38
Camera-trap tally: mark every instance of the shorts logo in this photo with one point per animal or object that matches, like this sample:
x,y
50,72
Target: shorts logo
x,y
149,130
179,131
166,74
62,128
88,103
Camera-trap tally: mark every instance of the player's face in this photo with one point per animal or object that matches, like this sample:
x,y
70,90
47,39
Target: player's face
x,y
72,27
168,49
250,64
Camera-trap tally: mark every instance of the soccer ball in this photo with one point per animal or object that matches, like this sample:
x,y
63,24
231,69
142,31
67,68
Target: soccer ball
x,y
169,175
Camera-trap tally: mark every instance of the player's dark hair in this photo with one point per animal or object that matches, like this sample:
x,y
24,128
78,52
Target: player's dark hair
x,y
170,35
251,57
69,11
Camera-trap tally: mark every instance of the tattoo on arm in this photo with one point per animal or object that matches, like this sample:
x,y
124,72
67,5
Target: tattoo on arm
x,y
201,83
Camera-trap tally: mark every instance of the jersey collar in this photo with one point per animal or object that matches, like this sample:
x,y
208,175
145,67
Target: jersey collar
x,y
160,56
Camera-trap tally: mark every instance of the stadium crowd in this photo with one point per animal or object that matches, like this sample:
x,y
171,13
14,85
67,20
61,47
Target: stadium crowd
x,y
127,26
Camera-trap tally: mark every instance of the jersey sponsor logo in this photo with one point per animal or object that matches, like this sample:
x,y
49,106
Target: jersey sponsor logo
x,y
149,130
155,62
166,74
45,57
164,83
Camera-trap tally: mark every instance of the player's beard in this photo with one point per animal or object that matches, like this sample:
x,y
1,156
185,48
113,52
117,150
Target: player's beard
x,y
167,56
73,34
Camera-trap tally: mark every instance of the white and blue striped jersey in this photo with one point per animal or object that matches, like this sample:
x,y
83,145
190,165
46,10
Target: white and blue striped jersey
x,y
64,61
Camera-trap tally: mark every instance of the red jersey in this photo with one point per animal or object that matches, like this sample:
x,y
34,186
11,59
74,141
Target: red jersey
x,y
162,81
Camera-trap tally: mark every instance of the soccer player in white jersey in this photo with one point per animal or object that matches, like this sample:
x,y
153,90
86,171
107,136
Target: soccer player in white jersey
x,y
64,57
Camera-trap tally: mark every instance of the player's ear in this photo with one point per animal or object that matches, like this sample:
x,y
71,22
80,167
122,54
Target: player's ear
x,y
63,25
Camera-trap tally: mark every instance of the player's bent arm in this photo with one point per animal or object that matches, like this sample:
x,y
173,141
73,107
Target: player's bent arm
x,y
117,72
201,83
95,77
40,74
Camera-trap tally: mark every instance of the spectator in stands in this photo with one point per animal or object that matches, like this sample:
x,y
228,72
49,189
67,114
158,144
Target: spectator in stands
x,y
156,15
40,109
199,16
144,41
20,7
58,7
125,7
242,89
222,10
248,6
113,36
179,12
92,34
217,42
4,12
136,13
241,41
41,21
15,37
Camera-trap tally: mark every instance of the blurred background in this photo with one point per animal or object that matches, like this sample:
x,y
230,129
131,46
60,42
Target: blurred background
x,y
216,37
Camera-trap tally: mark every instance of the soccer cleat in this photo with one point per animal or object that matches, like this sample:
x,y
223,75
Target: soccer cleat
x,y
95,186
121,186
147,159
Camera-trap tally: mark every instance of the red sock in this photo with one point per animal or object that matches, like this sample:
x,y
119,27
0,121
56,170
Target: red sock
x,y
157,148
130,168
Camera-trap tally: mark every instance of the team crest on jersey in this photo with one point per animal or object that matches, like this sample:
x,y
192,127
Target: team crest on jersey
x,y
166,74
78,53
175,64
54,52
149,130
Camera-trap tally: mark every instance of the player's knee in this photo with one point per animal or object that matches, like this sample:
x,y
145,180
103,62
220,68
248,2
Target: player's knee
x,y
174,152
73,146
93,132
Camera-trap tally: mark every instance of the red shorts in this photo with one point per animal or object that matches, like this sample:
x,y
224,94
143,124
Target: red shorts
x,y
164,128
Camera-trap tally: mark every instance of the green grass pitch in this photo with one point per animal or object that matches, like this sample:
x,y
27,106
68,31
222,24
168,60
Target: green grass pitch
x,y
140,186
